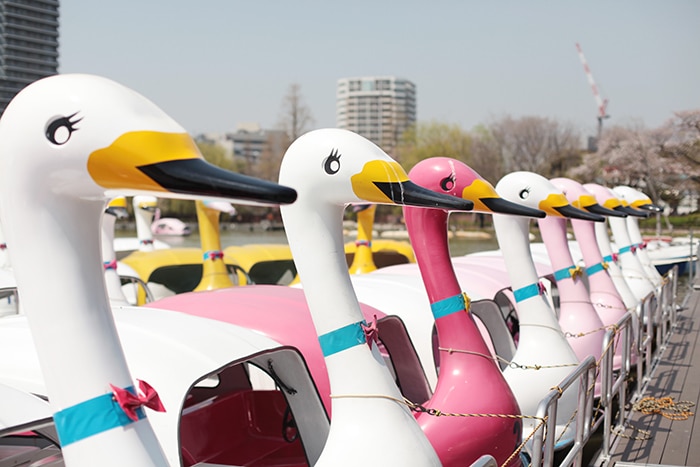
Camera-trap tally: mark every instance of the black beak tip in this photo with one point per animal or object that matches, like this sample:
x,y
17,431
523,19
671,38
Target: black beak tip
x,y
409,193
503,206
651,208
603,211
632,211
200,178
575,213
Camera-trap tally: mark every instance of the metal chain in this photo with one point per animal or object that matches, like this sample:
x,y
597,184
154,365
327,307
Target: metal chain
x,y
509,363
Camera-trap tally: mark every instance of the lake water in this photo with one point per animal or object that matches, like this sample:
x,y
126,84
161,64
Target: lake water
x,y
458,245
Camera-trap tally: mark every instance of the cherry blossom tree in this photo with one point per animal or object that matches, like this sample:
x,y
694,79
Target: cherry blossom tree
x,y
663,162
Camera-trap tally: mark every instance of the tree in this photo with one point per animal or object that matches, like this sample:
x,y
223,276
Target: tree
x,y
433,139
268,165
487,159
663,162
296,116
534,144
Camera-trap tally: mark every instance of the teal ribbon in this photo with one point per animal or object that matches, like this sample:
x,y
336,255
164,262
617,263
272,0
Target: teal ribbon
x,y
596,268
608,259
91,417
562,274
625,249
529,291
342,338
448,306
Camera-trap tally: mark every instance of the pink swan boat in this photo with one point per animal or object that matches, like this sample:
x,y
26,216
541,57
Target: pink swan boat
x,y
632,269
605,298
608,199
578,318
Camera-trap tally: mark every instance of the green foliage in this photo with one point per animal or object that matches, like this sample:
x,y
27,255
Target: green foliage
x,y
688,221
433,139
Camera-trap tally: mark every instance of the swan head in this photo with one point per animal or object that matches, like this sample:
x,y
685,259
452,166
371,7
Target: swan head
x,y
581,198
117,207
636,199
455,178
90,138
145,203
611,200
217,205
339,167
533,190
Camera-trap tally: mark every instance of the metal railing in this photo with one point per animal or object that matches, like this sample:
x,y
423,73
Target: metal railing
x,y
615,386
543,445
637,332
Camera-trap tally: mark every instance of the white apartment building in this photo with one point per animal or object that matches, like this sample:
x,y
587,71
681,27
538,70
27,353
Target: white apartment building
x,y
380,108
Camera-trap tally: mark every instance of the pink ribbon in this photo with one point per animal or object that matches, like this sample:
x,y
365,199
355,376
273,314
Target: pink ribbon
x,y
110,264
371,332
212,255
130,402
541,288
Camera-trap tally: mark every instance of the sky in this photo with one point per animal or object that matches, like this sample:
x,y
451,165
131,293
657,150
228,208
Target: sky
x,y
215,64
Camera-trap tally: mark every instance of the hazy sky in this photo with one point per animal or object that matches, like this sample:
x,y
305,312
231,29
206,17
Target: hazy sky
x,y
212,64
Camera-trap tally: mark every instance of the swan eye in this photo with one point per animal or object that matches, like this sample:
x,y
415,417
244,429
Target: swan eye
x,y
447,183
524,194
60,130
332,163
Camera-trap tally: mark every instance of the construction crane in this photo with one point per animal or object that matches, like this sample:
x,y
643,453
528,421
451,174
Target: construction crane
x,y
600,102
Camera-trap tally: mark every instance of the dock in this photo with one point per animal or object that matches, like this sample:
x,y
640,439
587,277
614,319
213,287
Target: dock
x,y
659,427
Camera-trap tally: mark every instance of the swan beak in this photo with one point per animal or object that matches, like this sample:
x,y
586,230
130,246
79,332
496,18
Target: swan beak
x,y
589,203
158,162
387,183
557,205
646,205
148,205
631,211
487,200
117,208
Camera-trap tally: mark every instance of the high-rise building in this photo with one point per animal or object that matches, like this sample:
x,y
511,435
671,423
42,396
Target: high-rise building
x,y
28,44
380,108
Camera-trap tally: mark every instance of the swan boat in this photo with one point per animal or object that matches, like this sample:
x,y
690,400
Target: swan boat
x,y
93,139
330,169
604,297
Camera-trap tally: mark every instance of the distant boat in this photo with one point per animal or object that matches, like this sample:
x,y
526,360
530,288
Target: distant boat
x,y
665,255
170,226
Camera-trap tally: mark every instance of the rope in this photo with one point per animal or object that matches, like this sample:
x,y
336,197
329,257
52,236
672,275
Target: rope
x,y
665,406
602,328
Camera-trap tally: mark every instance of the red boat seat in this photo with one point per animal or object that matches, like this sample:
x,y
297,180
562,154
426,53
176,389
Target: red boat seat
x,y
244,428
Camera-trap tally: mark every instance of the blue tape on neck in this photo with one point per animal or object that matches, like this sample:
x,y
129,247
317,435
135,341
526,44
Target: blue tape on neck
x,y
91,417
447,306
529,291
562,274
602,266
342,338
